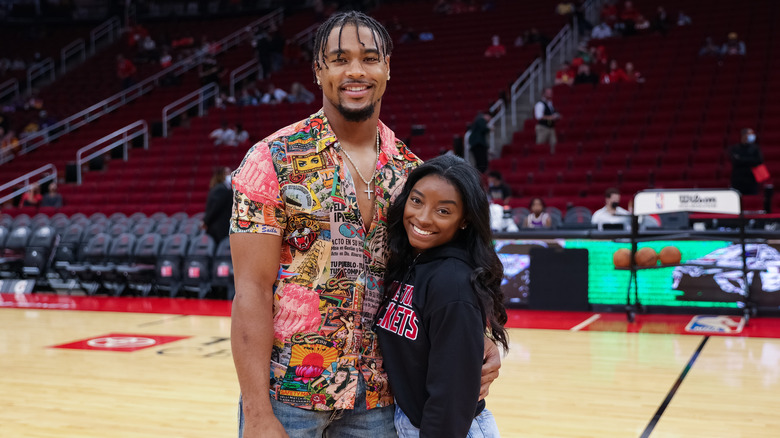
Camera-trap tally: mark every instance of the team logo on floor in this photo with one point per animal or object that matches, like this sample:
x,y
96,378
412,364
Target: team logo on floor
x,y
120,342
715,324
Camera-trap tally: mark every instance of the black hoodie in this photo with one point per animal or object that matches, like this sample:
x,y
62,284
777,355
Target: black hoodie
x,y
432,337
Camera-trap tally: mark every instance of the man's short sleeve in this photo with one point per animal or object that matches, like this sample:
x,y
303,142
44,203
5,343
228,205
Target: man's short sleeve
x,y
257,204
538,110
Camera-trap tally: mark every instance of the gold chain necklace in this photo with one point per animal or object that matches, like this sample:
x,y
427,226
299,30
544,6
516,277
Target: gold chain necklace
x,y
366,181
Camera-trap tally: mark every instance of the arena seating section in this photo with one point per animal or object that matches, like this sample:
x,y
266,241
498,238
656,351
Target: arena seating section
x,y
669,132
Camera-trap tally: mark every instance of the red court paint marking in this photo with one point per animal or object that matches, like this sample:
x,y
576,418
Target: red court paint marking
x,y
124,342
171,306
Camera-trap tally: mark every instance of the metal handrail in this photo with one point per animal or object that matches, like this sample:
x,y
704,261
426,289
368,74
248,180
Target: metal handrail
x,y
51,176
108,29
118,138
9,87
556,47
180,106
39,69
77,47
107,105
498,109
530,81
242,72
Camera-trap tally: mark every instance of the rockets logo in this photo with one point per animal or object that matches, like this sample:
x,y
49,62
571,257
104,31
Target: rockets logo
x,y
400,318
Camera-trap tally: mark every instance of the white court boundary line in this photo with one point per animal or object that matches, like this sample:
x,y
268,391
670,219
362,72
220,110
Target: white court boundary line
x,y
585,323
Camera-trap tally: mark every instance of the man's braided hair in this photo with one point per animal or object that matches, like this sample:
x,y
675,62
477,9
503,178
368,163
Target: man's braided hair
x,y
342,19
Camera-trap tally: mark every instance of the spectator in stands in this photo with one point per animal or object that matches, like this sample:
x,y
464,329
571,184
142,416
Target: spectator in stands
x,y
615,74
210,71
147,51
496,49
585,76
299,94
609,13
33,197
612,212
537,218
52,198
273,95
478,140
632,75
546,116
219,203
262,45
745,156
498,191
125,70
661,22
224,135
9,144
601,31
223,100
733,46
242,136
628,19
709,48
564,75
247,99
683,19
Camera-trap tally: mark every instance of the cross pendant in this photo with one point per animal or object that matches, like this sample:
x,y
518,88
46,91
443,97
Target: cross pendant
x,y
368,192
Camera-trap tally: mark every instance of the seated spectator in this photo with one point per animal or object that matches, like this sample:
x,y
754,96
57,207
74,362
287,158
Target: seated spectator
x,y
633,75
166,60
709,48
9,144
225,135
660,22
628,19
585,76
498,191
609,13
612,212
299,94
683,20
601,31
733,45
223,100
537,218
614,75
33,197
496,49
242,137
247,99
147,50
564,75
52,198
125,70
210,71
273,95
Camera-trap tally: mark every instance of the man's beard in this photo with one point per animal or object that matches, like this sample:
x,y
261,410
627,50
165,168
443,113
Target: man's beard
x,y
356,115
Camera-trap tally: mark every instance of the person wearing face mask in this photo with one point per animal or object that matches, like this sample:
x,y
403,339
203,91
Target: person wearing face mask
x,y
744,157
611,212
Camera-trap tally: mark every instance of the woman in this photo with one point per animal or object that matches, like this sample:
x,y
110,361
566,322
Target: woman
x,y
537,218
442,295
33,197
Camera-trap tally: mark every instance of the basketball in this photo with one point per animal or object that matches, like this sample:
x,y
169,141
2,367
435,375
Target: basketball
x,y
646,257
670,255
621,258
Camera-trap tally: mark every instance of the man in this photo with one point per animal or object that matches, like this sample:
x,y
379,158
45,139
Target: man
x,y
216,217
498,191
611,212
478,140
308,240
744,157
546,116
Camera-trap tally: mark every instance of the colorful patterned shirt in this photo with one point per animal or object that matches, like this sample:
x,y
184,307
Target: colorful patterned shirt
x,y
295,184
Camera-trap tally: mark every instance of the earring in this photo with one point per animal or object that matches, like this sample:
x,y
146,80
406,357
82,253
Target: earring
x,y
318,82
388,76
463,227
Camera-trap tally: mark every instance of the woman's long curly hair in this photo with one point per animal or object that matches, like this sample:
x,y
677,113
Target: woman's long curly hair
x,y
476,237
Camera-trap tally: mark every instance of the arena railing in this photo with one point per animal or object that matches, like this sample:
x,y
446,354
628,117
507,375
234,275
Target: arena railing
x,y
199,98
9,90
145,86
529,83
41,70
108,31
49,172
252,67
120,138
76,50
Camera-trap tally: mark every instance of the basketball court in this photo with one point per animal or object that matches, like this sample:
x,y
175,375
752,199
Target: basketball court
x,y
96,367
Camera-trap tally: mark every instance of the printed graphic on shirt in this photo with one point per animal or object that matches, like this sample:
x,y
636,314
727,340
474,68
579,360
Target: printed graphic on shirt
x,y
399,317
308,265
343,328
297,196
337,291
377,386
309,163
302,231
